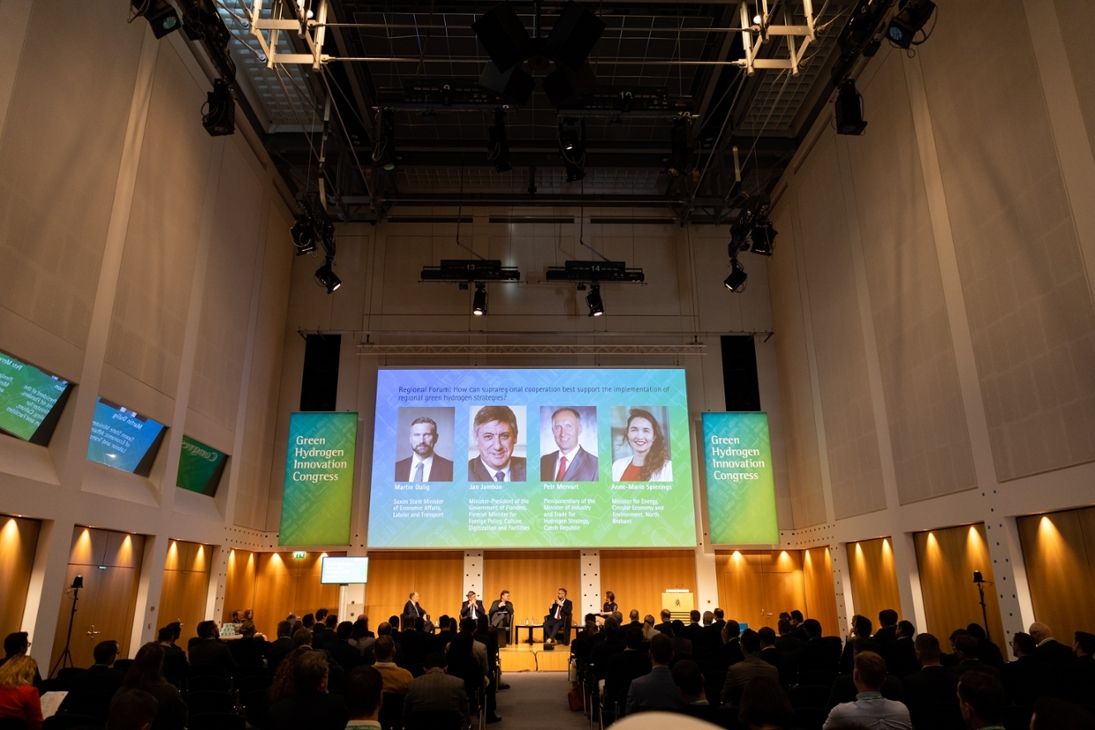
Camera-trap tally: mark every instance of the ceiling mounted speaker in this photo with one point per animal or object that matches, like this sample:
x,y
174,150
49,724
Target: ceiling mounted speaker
x,y
562,84
514,85
572,38
503,36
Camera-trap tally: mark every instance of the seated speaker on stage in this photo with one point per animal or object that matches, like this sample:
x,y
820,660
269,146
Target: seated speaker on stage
x,y
472,608
501,612
558,617
413,610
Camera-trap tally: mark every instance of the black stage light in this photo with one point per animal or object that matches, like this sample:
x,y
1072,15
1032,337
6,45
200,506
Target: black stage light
x,y
849,110
911,17
593,301
682,160
736,281
572,146
479,301
762,236
573,36
219,112
498,143
160,15
326,277
503,36
384,151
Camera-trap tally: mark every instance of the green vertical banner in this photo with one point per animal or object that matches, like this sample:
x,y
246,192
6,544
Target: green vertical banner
x,y
200,467
319,479
741,493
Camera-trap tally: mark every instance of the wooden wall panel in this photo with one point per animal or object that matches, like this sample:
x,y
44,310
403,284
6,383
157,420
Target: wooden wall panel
x,y
110,563
437,575
239,585
756,585
284,585
1059,551
817,579
18,541
874,578
185,585
533,577
947,559
640,577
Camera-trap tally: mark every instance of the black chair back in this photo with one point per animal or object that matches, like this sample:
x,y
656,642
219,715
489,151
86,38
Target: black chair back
x,y
808,696
201,703
92,705
209,683
817,679
391,711
255,706
247,685
123,665
809,718
1017,717
434,720
216,721
12,723
69,721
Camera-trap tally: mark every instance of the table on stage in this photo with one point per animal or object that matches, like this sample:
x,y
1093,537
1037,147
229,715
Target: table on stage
x,y
574,627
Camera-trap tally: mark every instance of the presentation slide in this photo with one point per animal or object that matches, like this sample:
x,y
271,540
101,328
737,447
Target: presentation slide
x,y
344,571
531,458
200,467
319,479
30,399
741,493
123,439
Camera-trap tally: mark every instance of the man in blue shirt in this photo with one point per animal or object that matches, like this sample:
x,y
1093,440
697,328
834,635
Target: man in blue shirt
x,y
870,709
657,690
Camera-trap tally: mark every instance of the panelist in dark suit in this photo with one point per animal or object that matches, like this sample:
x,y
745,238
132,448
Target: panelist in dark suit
x,y
558,613
495,430
472,608
412,610
571,463
501,612
423,465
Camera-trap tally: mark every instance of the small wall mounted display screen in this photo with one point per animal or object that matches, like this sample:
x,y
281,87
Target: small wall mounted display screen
x,y
531,458
200,467
31,400
123,439
344,571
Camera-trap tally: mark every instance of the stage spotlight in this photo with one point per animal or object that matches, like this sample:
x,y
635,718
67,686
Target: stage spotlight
x,y
384,151
593,300
161,16
498,143
326,277
849,110
479,301
911,17
219,112
681,157
572,146
736,281
762,236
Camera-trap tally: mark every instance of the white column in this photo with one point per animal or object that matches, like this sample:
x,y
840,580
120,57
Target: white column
x,y
590,600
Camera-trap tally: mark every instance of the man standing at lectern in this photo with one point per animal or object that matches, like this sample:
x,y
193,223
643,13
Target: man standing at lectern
x,y
571,463
557,616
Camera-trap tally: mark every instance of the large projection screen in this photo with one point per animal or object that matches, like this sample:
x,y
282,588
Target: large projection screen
x,y
605,421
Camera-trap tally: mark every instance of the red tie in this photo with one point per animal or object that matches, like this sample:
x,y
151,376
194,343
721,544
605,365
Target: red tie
x,y
557,607
562,468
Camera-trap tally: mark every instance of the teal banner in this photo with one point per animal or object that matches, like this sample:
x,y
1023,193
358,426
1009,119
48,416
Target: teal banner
x,y
200,467
319,479
741,493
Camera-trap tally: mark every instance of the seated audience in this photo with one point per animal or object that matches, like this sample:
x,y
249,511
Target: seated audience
x,y
648,627
1051,713
396,679
18,644
603,650
174,662
633,620
19,698
870,708
364,694
463,663
968,651
586,638
690,683
752,665
90,691
132,709
624,667
1050,650
308,704
764,705
981,697
931,693
146,673
210,650
656,690
436,691
844,687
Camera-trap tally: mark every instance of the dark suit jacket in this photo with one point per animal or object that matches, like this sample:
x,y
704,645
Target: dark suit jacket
x,y
1025,680
465,609
900,656
582,469
568,608
412,611
441,471
817,655
477,470
277,651
1079,679
601,655
212,651
436,691
1055,653
782,664
654,691
174,663
975,665
317,710
249,651
508,610
885,635
932,699
624,667
788,644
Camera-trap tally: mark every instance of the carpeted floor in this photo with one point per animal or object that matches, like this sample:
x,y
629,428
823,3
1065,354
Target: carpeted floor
x,y
537,701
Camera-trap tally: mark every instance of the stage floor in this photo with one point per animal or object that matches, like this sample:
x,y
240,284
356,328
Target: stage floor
x,y
533,658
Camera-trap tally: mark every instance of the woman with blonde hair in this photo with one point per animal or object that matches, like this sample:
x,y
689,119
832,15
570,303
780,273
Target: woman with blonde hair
x,y
18,696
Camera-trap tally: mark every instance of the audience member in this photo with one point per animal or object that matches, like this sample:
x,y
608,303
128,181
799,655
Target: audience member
x,y
764,705
1051,713
786,643
870,708
249,650
772,655
603,650
301,637
680,634
624,667
690,683
1081,672
463,663
900,654
988,652
844,687
584,641
649,631
931,693
132,709
364,694
633,620
656,690
280,646
360,637
337,644
694,625
816,654
1024,678
309,705
666,622
436,691
968,652
395,677
146,673
210,650
174,662
887,627
981,697
861,629
15,644
19,698
1050,650
738,675
730,652
91,690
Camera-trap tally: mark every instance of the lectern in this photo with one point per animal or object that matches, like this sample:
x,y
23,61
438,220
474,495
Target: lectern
x,y
679,604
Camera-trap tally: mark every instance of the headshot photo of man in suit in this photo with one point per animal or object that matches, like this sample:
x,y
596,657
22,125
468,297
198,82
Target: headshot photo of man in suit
x,y
494,440
564,442
425,464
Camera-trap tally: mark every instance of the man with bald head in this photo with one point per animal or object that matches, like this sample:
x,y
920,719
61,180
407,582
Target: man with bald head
x,y
1049,651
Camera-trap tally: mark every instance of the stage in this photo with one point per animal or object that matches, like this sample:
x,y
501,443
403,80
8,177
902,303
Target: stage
x,y
533,658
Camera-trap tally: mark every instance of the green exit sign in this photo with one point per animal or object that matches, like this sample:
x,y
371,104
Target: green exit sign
x,y
299,555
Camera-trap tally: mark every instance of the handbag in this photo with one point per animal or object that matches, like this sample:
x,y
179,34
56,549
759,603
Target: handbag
x,y
574,697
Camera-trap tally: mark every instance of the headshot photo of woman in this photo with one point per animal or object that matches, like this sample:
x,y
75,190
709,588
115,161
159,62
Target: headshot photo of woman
x,y
646,440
